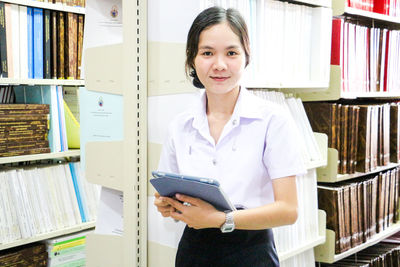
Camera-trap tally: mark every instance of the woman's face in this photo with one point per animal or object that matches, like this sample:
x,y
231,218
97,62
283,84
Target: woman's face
x,y
220,60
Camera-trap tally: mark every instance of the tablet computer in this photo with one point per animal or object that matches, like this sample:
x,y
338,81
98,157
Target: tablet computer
x,y
207,189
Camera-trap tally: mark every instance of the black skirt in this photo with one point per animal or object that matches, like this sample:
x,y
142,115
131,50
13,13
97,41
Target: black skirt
x,y
240,248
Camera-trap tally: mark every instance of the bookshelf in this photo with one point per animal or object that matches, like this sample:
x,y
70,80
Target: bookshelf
x,y
328,174
326,252
13,81
51,6
65,231
125,76
72,153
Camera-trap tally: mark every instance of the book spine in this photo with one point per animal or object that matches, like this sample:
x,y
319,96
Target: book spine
x,y
3,42
38,43
54,53
80,45
47,45
30,42
60,46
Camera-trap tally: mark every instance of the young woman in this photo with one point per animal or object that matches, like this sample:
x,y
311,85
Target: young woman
x,y
243,141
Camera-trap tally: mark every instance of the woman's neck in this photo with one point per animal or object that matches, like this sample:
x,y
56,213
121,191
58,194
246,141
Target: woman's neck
x,y
222,105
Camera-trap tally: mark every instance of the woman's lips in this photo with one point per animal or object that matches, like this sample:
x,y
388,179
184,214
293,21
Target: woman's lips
x,y
219,79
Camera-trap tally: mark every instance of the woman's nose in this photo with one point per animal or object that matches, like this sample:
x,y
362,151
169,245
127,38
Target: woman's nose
x,y
219,63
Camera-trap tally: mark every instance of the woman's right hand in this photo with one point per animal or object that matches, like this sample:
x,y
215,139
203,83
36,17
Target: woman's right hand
x,y
162,206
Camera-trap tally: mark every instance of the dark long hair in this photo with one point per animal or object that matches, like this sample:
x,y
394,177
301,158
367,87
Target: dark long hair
x,y
207,18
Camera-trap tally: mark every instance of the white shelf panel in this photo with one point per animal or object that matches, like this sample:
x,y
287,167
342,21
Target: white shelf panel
x,y
70,153
323,3
325,253
45,236
372,15
309,245
59,7
12,81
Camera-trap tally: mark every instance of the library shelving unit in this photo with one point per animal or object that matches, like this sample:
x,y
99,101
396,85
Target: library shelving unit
x,y
72,153
122,165
45,5
329,173
14,81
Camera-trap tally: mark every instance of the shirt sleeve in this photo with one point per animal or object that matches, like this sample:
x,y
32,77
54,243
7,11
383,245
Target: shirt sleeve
x,y
168,162
282,155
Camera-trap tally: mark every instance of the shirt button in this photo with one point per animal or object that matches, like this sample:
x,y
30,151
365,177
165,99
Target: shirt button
x,y
234,122
214,162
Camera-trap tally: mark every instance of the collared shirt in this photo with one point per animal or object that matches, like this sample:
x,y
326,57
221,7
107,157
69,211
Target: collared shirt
x,y
256,146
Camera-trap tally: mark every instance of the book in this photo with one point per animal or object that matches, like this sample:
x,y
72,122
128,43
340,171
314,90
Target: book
x,y
81,19
23,42
30,42
38,40
60,45
3,42
169,184
47,45
71,45
9,39
53,39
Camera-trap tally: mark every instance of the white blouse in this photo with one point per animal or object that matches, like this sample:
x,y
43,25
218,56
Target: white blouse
x,y
257,144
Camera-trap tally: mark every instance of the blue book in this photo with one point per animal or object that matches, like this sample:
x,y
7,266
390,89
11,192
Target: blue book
x,y
38,43
82,190
30,41
77,192
170,184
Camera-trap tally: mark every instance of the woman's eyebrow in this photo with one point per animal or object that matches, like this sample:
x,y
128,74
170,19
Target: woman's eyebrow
x,y
205,47
210,47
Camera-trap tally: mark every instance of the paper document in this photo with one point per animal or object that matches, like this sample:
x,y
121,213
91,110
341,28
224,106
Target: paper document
x,y
110,212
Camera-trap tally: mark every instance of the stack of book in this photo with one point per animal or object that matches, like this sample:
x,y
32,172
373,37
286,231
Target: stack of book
x,y
27,255
67,250
294,106
53,96
47,44
23,129
358,210
367,56
385,7
361,133
305,230
41,200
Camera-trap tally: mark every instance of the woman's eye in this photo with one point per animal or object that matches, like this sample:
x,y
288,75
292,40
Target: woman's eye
x,y
207,53
232,53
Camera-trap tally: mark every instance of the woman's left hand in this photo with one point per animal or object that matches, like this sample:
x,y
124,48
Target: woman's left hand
x,y
198,215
